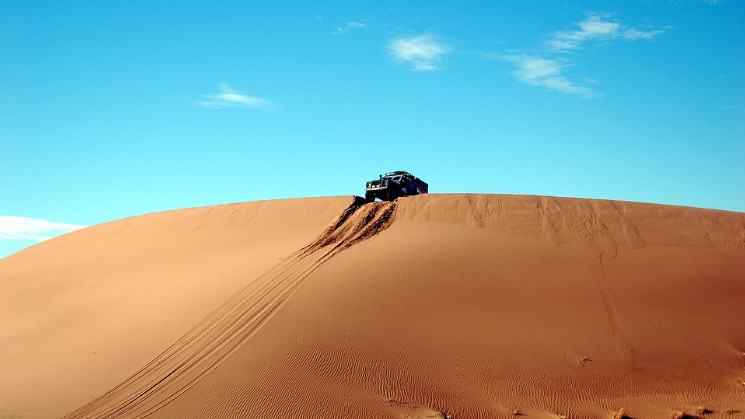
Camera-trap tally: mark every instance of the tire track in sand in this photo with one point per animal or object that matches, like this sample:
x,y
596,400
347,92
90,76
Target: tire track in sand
x,y
219,335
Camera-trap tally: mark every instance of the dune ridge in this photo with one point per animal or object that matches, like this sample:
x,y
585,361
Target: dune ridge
x,y
601,225
462,306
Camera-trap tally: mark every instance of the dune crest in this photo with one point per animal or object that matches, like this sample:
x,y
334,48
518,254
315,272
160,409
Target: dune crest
x,y
478,306
600,225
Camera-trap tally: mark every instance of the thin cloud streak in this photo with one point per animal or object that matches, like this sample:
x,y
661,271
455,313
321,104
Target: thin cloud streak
x,y
634,34
544,68
591,28
340,30
229,98
423,52
594,27
539,71
23,228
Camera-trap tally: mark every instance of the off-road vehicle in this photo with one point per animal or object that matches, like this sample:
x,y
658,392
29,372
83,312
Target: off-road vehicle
x,y
393,185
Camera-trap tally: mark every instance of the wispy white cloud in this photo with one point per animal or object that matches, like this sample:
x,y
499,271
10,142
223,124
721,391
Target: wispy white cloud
x,y
423,52
22,228
634,34
593,27
543,67
340,30
548,73
596,27
229,97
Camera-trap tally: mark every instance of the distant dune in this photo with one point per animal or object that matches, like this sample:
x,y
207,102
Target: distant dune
x,y
462,306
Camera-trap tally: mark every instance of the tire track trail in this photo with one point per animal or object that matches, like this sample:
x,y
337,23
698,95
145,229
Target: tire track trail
x,y
219,335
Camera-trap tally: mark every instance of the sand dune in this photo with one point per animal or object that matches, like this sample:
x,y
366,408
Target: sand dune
x,y
468,306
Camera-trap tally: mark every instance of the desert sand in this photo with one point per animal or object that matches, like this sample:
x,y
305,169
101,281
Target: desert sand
x,y
462,306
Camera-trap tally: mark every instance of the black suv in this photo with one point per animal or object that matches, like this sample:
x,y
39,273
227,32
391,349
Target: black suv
x,y
394,185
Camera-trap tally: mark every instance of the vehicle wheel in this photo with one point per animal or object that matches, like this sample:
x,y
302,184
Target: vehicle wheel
x,y
404,192
391,196
369,196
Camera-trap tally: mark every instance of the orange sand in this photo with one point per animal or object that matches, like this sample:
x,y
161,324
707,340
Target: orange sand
x,y
468,306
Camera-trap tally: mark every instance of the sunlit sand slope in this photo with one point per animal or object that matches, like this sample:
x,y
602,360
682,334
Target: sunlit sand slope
x,y
82,312
463,306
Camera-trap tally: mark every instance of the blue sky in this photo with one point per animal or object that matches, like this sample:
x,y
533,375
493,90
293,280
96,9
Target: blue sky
x,y
115,109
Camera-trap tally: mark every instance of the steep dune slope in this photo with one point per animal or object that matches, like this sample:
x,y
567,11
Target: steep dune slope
x,y
225,331
462,305
82,312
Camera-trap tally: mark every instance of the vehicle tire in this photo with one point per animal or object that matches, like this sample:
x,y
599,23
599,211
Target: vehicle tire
x,y
391,196
369,196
